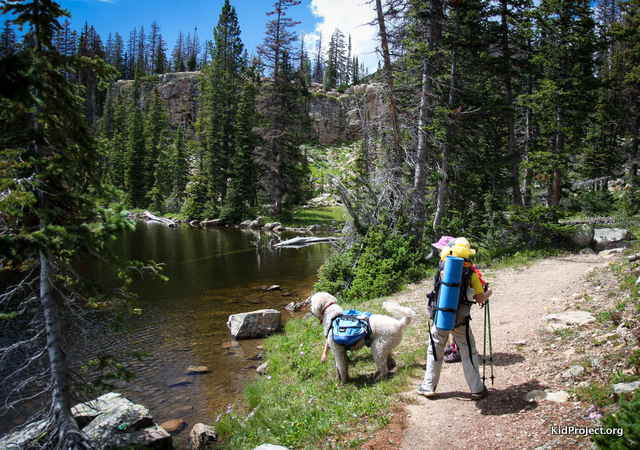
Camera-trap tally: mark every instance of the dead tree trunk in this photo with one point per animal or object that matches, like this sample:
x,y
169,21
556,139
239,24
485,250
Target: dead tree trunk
x,y
442,189
420,179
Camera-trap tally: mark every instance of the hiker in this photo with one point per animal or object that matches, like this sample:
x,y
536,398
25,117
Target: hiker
x,y
461,331
451,351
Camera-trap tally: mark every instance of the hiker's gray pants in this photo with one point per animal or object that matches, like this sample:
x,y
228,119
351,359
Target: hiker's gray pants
x,y
469,364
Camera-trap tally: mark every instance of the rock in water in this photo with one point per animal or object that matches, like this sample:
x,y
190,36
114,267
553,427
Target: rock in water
x,y
174,426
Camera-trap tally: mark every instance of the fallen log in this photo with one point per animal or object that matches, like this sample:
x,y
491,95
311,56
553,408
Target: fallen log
x,y
302,241
168,222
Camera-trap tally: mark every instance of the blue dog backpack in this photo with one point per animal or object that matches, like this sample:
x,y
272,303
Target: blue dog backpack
x,y
350,327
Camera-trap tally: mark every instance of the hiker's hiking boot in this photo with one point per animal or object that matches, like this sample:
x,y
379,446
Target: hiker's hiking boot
x,y
453,357
448,349
425,391
480,395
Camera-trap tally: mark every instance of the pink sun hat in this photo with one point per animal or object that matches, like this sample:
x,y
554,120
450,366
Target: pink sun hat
x,y
443,242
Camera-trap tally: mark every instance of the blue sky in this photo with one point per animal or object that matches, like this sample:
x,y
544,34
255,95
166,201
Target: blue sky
x,y
173,16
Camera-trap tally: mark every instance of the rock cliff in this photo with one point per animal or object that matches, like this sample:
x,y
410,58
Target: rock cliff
x,y
336,116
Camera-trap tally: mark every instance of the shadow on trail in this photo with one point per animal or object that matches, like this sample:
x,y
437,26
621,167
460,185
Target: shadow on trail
x,y
508,401
504,359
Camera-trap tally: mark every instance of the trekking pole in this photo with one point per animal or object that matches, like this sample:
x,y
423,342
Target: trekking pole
x,y
490,346
484,351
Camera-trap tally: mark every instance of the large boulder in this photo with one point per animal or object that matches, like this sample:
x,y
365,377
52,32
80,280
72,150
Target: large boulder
x,y
606,238
254,325
257,223
121,424
86,412
583,235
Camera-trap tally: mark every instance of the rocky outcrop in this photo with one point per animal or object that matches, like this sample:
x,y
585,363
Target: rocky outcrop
x,y
180,92
336,116
256,324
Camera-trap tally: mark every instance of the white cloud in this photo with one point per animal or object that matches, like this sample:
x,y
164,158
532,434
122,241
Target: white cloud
x,y
352,17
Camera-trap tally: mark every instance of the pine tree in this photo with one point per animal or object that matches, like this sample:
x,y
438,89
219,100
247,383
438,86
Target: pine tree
x,y
52,229
336,66
178,55
279,156
222,86
8,39
243,171
160,58
132,50
154,36
626,34
565,53
157,126
135,157
318,67
179,172
117,60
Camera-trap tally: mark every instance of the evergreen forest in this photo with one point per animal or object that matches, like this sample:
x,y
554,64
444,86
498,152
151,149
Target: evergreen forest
x,y
503,120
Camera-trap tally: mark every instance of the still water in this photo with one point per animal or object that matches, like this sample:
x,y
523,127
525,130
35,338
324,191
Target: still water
x,y
213,273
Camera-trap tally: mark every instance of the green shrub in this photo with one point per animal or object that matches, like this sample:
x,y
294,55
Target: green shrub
x,y
628,419
375,268
593,203
600,396
540,225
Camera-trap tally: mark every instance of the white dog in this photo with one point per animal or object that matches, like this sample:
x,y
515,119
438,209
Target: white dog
x,y
386,333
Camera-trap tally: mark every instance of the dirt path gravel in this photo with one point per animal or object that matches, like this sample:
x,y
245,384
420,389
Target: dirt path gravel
x,y
503,420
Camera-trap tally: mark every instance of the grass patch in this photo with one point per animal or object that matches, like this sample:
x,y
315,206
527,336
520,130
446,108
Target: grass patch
x,y
566,334
595,394
299,404
324,215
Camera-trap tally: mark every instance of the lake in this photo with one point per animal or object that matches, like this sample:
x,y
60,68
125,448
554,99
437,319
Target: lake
x,y
213,273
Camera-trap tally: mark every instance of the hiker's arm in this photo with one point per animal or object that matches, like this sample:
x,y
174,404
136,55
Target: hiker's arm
x,y
323,358
483,296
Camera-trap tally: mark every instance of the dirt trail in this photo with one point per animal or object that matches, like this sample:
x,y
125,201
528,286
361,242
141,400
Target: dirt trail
x,y
503,419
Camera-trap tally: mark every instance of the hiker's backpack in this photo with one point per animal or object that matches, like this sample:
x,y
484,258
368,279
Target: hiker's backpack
x,y
350,327
464,303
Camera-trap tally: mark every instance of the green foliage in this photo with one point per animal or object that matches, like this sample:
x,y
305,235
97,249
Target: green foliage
x,y
376,266
628,419
336,272
595,394
594,203
198,204
539,225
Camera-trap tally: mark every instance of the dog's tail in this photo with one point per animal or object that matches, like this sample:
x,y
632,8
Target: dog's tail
x,y
405,314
